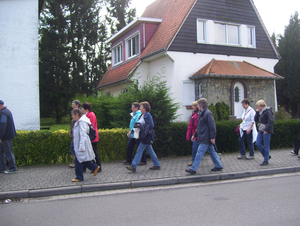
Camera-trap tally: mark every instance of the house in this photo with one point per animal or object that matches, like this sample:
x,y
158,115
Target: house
x,y
215,49
19,62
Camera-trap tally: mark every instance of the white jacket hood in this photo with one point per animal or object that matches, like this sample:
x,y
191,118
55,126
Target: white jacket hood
x,y
85,119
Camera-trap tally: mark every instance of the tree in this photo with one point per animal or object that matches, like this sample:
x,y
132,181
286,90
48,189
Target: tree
x,y
289,67
120,14
73,53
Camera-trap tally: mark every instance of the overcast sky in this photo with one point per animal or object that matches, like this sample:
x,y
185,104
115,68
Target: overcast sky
x,y
274,13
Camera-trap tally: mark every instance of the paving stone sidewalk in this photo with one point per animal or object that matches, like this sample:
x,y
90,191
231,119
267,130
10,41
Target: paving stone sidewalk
x,y
50,177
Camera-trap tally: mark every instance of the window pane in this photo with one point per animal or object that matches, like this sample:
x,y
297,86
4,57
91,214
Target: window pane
x,y
220,33
121,52
137,47
129,48
250,36
118,50
114,56
233,34
133,46
201,30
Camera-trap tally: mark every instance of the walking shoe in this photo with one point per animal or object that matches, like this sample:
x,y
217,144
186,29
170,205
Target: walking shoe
x,y
96,171
250,157
298,156
216,169
72,165
11,171
293,152
190,171
130,168
190,164
126,162
76,180
241,157
142,163
264,163
270,156
154,168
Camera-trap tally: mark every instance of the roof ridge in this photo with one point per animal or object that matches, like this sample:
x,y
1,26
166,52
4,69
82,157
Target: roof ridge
x,y
210,66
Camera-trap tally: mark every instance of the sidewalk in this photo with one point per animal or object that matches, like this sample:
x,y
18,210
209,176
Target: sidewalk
x,y
37,181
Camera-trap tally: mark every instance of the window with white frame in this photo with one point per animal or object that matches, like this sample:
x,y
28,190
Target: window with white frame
x,y
188,93
133,46
117,54
201,31
251,36
226,33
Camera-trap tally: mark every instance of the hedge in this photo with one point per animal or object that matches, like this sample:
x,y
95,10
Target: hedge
x,y
44,147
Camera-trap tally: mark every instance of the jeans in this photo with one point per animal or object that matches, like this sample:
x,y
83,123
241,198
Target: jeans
x,y
79,168
200,154
250,143
72,148
139,152
194,150
297,146
130,145
6,150
264,149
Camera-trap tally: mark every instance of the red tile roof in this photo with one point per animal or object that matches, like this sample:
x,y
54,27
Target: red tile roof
x,y
173,13
220,68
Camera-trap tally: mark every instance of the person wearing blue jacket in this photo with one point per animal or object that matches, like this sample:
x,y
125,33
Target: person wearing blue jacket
x,y
146,137
136,114
7,133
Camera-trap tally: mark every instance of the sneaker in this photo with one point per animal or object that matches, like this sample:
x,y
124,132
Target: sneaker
x,y
190,164
216,169
72,165
130,168
190,171
293,153
142,163
250,157
154,168
264,163
11,171
126,162
241,157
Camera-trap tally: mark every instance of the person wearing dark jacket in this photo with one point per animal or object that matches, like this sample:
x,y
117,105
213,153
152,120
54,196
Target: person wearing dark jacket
x,y
264,117
7,133
297,145
206,133
146,137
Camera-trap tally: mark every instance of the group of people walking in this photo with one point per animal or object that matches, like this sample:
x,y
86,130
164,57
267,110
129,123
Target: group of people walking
x,y
201,132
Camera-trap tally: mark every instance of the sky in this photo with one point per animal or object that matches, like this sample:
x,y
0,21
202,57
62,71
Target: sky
x,y
274,13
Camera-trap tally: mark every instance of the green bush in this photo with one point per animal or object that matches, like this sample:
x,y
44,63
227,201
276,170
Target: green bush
x,y
213,110
223,111
282,114
46,147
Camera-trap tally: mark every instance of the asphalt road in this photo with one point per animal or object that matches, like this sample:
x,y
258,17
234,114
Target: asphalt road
x,y
272,200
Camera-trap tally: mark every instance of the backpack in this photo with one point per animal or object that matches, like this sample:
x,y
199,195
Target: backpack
x,y
92,132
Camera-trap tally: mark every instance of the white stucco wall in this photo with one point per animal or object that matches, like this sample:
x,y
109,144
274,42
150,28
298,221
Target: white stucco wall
x,y
180,67
19,78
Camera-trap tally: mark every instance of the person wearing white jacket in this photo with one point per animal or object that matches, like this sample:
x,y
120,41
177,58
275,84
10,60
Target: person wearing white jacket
x,y
247,129
82,145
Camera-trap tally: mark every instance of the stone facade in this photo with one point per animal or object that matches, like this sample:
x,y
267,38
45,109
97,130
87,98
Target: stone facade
x,y
221,90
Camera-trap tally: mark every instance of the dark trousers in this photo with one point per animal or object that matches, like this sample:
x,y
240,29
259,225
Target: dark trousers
x,y
79,168
6,150
97,157
130,146
297,146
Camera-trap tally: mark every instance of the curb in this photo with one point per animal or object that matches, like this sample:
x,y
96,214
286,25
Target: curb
x,y
33,193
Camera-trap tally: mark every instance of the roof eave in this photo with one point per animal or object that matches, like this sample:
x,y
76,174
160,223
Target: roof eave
x,y
234,76
132,24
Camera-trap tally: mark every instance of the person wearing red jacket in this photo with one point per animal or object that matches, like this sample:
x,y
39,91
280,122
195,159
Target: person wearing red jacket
x,y
87,110
191,130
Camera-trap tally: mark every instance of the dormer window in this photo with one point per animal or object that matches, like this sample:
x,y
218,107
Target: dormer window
x,y
251,36
226,33
133,46
201,31
117,54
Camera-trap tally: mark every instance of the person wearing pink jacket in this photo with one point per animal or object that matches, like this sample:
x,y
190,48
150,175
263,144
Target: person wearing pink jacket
x,y
191,130
88,111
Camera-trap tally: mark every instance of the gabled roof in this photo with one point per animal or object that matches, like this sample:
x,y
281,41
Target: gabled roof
x,y
173,13
230,69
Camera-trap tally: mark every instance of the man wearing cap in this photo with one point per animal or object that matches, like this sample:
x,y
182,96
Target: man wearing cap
x,y
7,133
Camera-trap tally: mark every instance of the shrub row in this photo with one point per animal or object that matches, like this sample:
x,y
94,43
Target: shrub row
x,y
44,147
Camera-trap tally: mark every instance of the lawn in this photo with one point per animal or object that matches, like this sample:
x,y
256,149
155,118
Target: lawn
x,y
50,124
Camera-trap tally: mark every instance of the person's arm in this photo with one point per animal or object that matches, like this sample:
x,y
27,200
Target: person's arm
x,y
150,120
82,126
3,125
270,121
189,130
256,117
252,116
212,127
